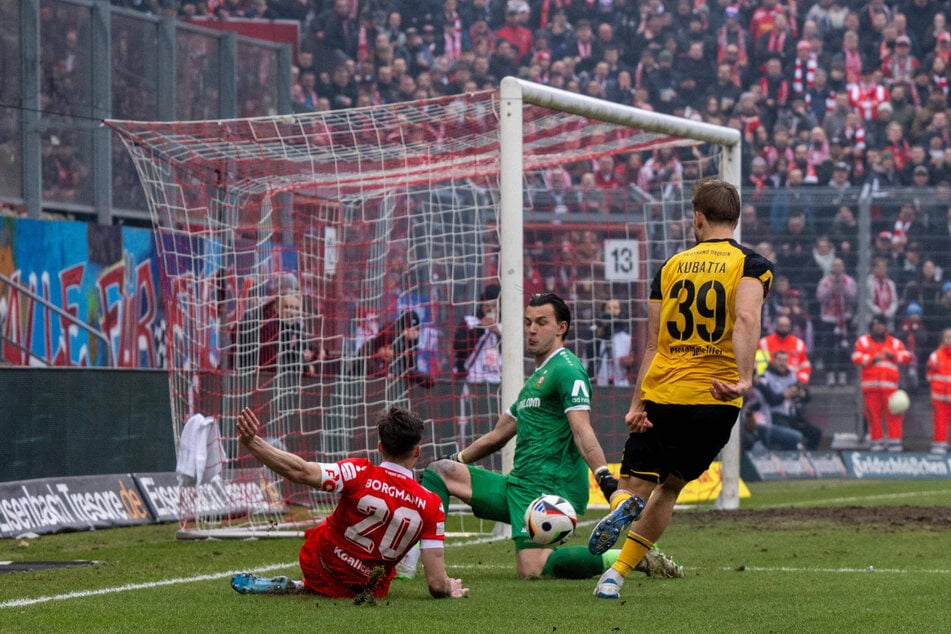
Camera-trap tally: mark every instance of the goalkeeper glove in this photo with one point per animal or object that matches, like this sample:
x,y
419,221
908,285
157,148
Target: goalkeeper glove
x,y
455,456
606,482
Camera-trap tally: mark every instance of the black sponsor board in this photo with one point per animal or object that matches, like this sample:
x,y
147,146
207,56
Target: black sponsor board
x,y
868,465
791,465
52,505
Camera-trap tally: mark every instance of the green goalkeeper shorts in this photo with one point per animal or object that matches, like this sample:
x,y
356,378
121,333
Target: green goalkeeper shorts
x,y
495,498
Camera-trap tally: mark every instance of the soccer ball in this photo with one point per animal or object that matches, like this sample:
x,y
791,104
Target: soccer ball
x,y
550,520
898,402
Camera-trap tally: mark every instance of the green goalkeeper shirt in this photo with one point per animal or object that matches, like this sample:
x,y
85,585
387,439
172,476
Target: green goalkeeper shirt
x,y
546,457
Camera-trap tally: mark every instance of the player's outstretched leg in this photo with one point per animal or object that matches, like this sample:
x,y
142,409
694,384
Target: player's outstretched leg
x,y
607,531
248,583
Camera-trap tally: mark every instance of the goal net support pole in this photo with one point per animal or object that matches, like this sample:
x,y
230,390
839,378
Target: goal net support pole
x,y
514,94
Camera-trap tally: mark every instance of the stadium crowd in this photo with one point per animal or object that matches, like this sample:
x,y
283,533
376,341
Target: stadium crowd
x,y
829,96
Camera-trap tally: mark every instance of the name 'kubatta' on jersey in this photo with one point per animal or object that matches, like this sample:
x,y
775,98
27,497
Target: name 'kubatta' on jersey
x,y
697,291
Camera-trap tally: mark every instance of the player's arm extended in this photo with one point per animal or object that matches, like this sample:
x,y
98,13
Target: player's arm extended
x,y
292,467
491,442
587,442
441,585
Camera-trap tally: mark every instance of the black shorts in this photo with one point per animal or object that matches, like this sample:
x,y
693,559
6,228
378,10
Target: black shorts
x,y
684,440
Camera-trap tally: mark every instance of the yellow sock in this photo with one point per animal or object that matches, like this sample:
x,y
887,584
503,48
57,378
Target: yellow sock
x,y
618,498
634,549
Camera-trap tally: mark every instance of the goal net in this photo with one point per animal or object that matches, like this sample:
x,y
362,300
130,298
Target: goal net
x,y
320,267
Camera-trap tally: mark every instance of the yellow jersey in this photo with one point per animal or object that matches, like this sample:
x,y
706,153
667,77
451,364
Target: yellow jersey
x,y
697,292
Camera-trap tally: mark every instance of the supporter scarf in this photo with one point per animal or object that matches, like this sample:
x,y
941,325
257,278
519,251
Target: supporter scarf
x,y
901,69
776,41
804,76
830,102
816,156
759,181
777,88
941,82
855,137
853,67
723,39
363,46
883,294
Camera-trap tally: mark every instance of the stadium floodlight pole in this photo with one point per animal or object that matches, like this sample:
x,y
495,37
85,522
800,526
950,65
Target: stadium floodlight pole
x,y
514,94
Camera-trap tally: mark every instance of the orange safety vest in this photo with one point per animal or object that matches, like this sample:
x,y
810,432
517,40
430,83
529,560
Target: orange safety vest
x,y
939,374
795,348
881,374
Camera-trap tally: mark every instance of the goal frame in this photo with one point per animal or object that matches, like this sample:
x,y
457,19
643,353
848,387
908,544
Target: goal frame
x,y
514,94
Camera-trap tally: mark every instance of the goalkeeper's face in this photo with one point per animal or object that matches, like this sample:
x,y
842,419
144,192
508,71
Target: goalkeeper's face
x,y
543,331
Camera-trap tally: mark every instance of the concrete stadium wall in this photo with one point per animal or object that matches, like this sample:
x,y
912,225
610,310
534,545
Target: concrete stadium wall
x,y
70,422
73,422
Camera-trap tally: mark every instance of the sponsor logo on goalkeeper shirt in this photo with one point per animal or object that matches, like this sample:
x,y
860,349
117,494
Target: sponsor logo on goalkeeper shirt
x,y
532,401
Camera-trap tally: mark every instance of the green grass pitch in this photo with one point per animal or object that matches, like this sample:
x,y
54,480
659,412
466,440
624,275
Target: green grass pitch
x,y
826,556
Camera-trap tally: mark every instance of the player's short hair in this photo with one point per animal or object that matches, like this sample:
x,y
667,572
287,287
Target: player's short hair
x,y
400,431
717,200
562,312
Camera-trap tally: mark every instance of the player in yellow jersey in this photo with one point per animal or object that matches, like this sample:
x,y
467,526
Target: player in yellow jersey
x,y
703,325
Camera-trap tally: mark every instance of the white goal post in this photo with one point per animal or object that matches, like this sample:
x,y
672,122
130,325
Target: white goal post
x,y
514,94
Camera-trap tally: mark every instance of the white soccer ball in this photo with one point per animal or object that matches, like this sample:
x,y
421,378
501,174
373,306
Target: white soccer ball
x,y
898,402
550,520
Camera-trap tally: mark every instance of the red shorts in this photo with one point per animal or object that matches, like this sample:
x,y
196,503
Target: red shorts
x,y
320,576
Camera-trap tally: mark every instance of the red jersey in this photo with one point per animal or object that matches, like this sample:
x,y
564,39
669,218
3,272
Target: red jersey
x,y
881,374
795,347
866,98
382,512
939,374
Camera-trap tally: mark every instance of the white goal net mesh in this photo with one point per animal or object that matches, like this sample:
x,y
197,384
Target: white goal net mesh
x,y
319,267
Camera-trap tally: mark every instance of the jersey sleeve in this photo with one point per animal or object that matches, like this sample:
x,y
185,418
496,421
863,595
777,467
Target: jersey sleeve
x,y
756,266
335,477
575,386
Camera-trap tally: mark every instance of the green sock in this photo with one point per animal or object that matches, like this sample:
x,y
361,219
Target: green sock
x,y
574,562
610,557
435,483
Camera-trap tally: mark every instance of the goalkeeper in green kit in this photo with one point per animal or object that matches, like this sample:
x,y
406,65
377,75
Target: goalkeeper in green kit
x,y
555,447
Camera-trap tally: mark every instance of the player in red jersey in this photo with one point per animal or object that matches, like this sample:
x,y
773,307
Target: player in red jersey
x,y
381,514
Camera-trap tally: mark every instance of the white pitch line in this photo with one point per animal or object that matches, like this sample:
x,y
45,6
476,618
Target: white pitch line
x,y
17,603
